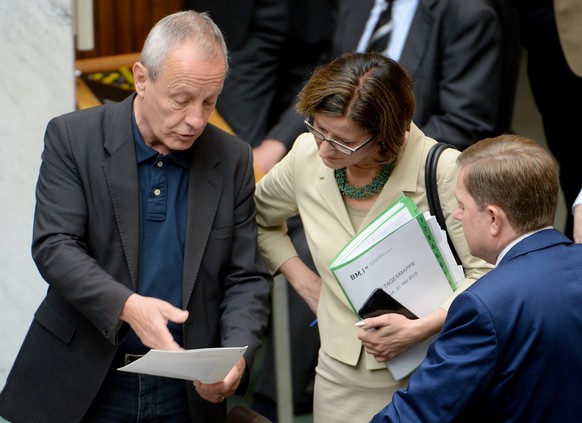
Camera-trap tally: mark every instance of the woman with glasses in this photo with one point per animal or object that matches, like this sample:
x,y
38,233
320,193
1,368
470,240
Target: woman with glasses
x,y
361,152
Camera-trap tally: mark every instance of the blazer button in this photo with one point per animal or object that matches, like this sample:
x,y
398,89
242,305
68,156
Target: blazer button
x,y
105,331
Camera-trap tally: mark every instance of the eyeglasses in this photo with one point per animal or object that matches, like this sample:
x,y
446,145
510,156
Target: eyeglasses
x,y
342,148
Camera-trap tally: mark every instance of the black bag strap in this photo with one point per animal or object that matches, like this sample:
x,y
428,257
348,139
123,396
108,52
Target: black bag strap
x,y
432,194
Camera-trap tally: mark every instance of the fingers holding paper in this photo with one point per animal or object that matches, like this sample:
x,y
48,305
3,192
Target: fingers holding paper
x,y
219,391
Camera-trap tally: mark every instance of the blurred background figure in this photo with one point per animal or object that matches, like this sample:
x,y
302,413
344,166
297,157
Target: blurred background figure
x,y
551,32
462,56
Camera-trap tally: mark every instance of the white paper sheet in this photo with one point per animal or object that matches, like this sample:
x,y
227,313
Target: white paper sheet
x,y
208,365
407,255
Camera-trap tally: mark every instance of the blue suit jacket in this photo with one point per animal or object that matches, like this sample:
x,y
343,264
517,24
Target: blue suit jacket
x,y
511,346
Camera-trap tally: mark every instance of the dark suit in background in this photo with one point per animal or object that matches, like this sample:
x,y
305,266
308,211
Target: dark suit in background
x,y
463,59
556,89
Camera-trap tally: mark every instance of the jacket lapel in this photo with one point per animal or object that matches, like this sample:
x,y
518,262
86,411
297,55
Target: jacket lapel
x,y
405,176
330,193
204,191
121,173
351,22
418,39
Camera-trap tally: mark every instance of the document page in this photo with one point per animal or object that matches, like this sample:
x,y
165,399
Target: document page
x,y
208,365
404,265
405,254
440,236
395,216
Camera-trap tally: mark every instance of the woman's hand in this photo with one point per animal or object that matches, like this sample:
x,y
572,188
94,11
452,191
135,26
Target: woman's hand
x,y
391,334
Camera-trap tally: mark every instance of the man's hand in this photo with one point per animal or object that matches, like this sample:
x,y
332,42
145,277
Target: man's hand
x,y
217,392
149,318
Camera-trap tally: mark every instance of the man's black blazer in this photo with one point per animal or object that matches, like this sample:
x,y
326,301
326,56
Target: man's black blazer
x,y
86,240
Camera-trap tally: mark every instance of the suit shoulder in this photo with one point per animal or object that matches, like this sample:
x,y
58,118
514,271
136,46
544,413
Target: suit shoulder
x,y
91,115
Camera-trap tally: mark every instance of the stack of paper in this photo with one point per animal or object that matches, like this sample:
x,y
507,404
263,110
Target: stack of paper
x,y
406,254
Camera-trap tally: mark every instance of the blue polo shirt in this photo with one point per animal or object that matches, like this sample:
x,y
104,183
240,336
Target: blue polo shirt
x,y
163,200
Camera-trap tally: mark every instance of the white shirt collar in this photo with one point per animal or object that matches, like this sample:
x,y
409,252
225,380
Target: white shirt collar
x,y
403,12
515,241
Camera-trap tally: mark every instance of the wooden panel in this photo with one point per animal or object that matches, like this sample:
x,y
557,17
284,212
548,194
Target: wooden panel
x,y
103,16
106,63
124,27
85,97
121,26
142,23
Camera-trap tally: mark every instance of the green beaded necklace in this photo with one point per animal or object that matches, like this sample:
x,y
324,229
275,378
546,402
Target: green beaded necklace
x,y
366,191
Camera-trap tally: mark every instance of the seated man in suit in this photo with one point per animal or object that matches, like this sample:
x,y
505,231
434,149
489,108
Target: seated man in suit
x,y
510,347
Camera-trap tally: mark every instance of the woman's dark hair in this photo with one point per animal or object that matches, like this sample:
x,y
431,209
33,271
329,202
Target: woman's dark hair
x,y
371,90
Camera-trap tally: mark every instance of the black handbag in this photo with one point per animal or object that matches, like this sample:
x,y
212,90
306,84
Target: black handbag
x,y
432,194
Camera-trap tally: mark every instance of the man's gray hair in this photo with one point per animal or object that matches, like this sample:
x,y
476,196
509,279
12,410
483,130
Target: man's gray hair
x,y
173,30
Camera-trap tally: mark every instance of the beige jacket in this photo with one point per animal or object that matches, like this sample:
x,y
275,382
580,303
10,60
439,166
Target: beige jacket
x,y
302,184
569,20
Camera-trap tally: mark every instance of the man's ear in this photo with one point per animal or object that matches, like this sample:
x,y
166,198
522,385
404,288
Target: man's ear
x,y
140,77
497,219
